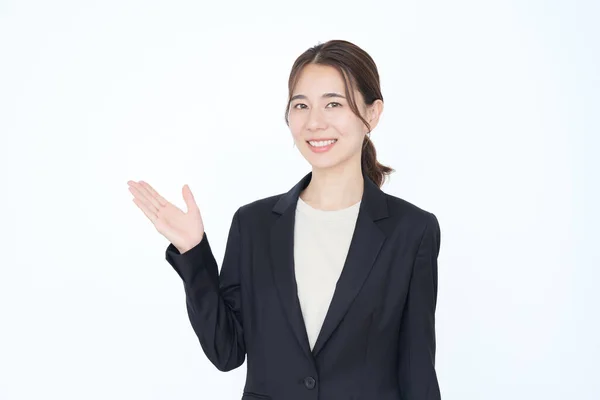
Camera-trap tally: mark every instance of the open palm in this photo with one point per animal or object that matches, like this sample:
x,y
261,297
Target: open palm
x,y
183,229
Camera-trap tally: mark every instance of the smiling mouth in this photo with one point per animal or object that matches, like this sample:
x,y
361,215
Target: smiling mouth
x,y
321,143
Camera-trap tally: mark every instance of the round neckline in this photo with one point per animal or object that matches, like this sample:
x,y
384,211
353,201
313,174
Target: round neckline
x,y
310,210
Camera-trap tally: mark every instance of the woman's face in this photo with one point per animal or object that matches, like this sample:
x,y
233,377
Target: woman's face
x,y
325,129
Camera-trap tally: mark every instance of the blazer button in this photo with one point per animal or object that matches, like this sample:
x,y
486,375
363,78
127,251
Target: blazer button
x,y
309,382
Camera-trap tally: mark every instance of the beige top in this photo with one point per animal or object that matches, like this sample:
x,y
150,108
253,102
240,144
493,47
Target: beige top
x,y
321,243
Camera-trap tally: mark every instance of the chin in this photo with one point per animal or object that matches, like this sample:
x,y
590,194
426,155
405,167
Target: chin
x,y
325,160
323,163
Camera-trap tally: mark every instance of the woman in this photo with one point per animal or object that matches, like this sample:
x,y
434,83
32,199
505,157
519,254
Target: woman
x,y
327,291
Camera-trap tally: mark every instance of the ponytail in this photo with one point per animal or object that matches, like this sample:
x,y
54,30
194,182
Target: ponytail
x,y
369,164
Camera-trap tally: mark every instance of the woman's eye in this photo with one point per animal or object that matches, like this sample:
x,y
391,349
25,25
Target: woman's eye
x,y
301,106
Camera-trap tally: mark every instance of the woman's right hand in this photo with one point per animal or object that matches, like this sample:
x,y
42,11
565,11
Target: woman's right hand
x,y
183,229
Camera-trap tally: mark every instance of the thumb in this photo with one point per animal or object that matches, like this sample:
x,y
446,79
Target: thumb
x,y
190,202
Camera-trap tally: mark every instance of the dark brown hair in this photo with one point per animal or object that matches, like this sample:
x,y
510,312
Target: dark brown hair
x,y
358,71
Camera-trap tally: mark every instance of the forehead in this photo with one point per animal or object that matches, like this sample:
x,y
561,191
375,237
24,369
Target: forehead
x,y
315,79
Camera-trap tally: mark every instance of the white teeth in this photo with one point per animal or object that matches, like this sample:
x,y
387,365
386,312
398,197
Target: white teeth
x,y
322,143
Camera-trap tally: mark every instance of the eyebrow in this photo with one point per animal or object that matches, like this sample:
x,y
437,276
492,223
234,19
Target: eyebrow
x,y
325,95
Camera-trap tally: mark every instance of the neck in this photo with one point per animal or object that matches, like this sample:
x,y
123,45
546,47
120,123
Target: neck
x,y
334,188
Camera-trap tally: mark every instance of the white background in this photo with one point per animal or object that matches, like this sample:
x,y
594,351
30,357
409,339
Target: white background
x,y
491,122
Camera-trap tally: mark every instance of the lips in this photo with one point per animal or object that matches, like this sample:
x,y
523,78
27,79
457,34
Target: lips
x,y
320,139
321,145
320,142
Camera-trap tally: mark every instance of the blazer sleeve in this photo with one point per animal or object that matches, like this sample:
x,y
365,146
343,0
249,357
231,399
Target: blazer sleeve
x,y
417,346
213,301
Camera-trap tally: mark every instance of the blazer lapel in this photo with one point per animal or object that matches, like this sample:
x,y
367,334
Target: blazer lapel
x,y
282,256
364,247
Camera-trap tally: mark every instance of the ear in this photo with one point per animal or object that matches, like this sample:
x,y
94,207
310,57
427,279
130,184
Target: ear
x,y
374,112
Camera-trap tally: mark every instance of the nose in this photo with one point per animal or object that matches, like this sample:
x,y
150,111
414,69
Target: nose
x,y
316,120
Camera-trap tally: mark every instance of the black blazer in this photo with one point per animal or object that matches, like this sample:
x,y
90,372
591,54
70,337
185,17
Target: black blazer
x,y
378,339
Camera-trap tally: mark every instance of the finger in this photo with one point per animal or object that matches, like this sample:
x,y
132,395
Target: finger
x,y
151,216
141,195
161,200
136,190
143,187
190,202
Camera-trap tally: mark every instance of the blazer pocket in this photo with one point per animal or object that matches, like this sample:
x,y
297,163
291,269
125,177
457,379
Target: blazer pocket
x,y
252,395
